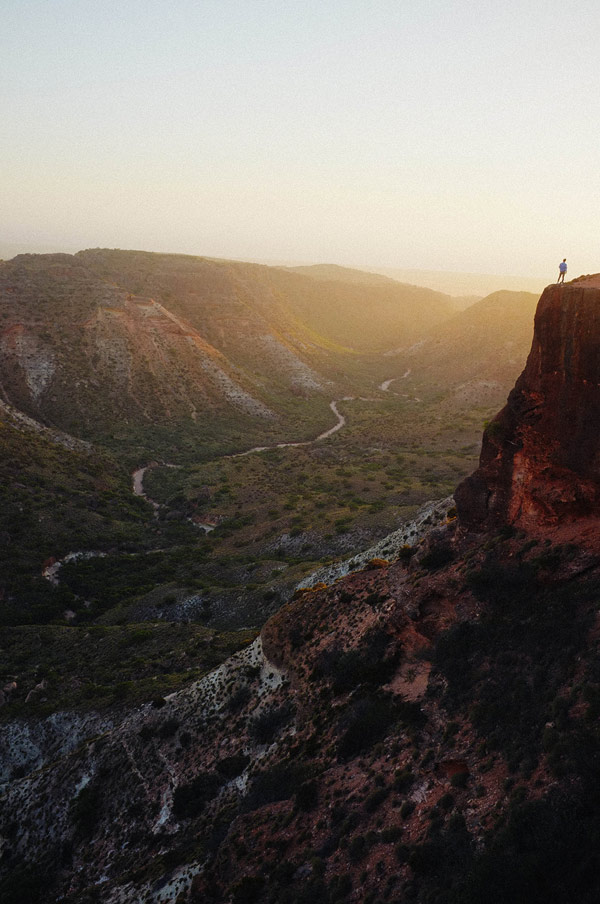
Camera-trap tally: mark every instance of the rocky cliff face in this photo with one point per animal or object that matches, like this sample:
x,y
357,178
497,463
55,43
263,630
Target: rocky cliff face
x,y
540,461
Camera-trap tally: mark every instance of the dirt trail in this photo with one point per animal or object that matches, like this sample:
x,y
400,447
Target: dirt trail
x,y
138,490
138,485
341,420
387,383
137,477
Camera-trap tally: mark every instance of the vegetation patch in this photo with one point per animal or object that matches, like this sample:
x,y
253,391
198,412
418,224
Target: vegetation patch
x,y
507,667
373,662
190,800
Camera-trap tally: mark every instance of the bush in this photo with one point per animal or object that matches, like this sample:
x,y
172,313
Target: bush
x,y
168,728
391,834
267,724
403,779
446,801
232,766
375,799
357,848
240,697
85,810
363,724
459,780
439,555
340,887
407,808
190,800
277,783
307,796
371,663
247,890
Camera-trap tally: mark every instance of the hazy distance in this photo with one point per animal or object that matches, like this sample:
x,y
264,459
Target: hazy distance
x,y
469,286
442,136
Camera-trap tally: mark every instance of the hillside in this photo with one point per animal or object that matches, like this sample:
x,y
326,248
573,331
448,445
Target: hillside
x,y
118,346
474,355
424,729
335,273
220,298
209,364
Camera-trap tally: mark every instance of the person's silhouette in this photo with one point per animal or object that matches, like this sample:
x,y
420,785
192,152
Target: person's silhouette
x,y
562,269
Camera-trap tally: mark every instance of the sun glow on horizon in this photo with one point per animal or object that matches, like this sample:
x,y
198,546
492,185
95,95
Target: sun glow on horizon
x,y
431,136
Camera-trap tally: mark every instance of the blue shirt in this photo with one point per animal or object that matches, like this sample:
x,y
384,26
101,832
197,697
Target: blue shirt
x,y
562,267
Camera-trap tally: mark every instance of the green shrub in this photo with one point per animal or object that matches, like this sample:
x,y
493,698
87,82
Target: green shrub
x,y
375,799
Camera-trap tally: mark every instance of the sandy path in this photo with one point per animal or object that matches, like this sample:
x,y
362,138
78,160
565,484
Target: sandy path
x,y
387,383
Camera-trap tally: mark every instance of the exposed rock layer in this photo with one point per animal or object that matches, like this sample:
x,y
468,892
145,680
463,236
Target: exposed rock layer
x,y
540,460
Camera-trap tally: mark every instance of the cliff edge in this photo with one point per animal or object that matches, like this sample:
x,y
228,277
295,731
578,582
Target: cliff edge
x,y
540,460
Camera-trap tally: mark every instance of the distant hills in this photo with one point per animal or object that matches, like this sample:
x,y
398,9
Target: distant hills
x,y
117,347
320,308
457,283
104,340
416,279
335,273
474,355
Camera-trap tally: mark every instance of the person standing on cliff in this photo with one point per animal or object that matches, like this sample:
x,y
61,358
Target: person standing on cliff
x,y
562,269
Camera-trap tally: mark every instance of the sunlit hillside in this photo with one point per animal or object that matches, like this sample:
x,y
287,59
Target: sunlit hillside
x,y
224,298
474,356
121,346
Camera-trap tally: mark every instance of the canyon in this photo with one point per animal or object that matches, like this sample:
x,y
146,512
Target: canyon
x,y
422,727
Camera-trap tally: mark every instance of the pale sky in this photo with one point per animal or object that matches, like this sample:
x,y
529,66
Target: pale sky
x,y
437,134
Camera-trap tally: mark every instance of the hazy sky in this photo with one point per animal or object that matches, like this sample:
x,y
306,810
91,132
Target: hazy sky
x,y
450,134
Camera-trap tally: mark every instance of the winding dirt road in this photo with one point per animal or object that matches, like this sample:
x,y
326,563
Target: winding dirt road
x,y
138,475
387,383
341,420
50,572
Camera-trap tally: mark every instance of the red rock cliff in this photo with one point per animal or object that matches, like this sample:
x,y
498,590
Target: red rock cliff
x,y
540,460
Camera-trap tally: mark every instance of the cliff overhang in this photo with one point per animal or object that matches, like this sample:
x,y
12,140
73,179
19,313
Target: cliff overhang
x,y
540,461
